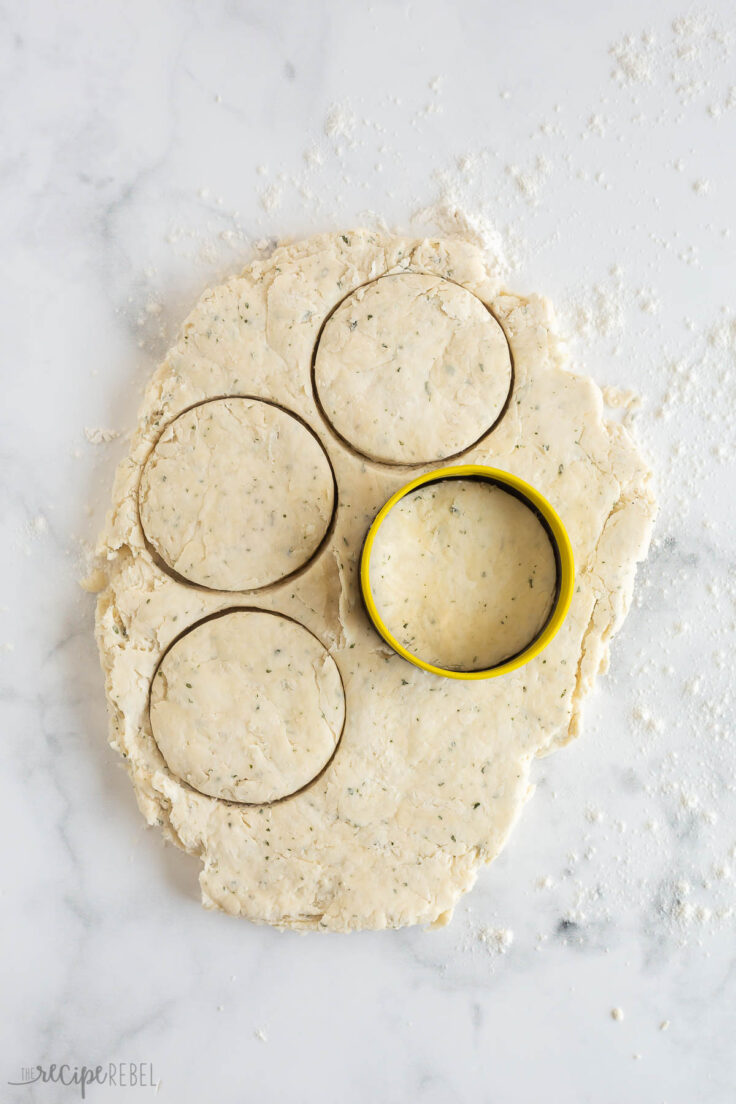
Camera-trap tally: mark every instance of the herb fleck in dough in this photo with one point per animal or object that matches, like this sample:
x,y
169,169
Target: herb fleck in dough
x,y
463,574
429,774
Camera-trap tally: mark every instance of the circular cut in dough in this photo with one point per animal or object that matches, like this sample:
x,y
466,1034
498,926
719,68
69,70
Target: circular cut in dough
x,y
411,369
236,494
463,574
248,706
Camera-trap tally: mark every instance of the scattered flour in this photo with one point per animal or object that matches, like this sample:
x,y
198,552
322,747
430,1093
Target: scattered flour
x,y
99,436
271,198
530,181
634,57
451,221
340,123
496,940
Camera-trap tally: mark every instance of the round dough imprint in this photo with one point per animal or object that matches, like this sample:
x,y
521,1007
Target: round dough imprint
x,y
247,706
432,352
463,574
236,494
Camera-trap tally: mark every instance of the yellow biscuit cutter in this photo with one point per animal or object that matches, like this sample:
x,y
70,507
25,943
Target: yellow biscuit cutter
x,y
560,543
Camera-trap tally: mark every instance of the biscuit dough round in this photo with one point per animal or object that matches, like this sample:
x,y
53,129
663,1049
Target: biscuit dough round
x,y
463,574
236,494
247,706
412,368
430,773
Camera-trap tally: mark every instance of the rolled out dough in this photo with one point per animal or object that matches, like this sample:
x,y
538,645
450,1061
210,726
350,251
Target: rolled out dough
x,y
430,773
463,574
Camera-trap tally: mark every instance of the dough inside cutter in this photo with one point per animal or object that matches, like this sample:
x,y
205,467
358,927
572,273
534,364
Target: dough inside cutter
x,y
463,574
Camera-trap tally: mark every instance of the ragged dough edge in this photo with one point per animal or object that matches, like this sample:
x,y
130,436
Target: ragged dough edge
x,y
631,521
635,513
182,816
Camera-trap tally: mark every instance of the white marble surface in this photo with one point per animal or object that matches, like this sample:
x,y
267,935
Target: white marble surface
x,y
132,136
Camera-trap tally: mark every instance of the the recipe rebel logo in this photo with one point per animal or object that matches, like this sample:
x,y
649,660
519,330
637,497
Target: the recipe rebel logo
x,y
120,1075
